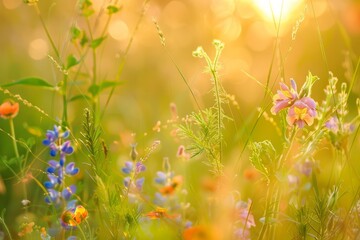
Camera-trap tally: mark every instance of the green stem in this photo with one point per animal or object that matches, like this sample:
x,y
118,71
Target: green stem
x,y
64,96
12,130
267,214
47,31
5,226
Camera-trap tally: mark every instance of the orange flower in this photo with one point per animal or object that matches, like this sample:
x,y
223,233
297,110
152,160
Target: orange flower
x,y
198,233
73,217
159,213
26,228
80,214
170,189
9,109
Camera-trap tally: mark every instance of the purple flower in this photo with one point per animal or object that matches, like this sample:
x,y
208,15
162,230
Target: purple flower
x,y
140,167
139,183
54,180
127,181
53,166
68,192
71,169
67,148
284,97
333,124
243,214
128,167
52,197
161,178
302,112
160,200
54,137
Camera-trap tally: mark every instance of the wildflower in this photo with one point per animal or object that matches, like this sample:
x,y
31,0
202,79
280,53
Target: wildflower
x,y
72,217
26,228
161,177
181,153
244,219
159,213
339,132
285,97
57,170
198,232
333,125
44,235
54,142
302,112
170,188
9,109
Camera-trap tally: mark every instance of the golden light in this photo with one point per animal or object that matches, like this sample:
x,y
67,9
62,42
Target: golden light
x,y
274,9
38,49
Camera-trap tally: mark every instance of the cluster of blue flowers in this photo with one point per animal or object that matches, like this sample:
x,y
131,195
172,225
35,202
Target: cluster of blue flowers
x,y
57,170
132,169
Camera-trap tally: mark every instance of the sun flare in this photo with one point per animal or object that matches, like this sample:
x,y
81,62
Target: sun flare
x,y
274,9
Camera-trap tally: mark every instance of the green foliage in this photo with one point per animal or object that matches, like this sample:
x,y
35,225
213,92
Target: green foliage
x,y
201,129
96,89
112,9
92,142
205,128
264,158
96,42
71,61
30,81
86,8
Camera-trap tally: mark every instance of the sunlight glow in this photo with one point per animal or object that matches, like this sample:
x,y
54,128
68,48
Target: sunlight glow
x,y
276,8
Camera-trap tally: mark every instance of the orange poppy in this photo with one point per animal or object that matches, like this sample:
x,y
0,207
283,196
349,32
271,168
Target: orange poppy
x,y
9,109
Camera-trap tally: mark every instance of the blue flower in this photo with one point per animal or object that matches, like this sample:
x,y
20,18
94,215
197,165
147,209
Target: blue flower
x,y
71,169
160,200
139,183
68,192
52,197
127,181
128,167
161,178
67,148
54,180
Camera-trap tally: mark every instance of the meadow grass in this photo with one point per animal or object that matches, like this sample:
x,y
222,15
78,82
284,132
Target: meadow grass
x,y
203,174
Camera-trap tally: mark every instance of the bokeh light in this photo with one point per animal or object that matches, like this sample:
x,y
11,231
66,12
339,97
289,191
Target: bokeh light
x,y
11,4
274,9
38,49
119,30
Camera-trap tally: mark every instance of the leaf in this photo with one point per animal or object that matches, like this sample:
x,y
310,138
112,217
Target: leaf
x,y
95,89
30,81
75,33
96,42
71,61
84,40
263,157
112,9
79,97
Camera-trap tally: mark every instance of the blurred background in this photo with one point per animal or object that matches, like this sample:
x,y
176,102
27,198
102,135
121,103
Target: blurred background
x,y
264,41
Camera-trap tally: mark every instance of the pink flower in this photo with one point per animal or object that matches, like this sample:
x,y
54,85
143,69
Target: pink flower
x,y
285,97
302,112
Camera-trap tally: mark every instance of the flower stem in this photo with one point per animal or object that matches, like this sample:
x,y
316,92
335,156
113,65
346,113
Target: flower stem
x,y
12,131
